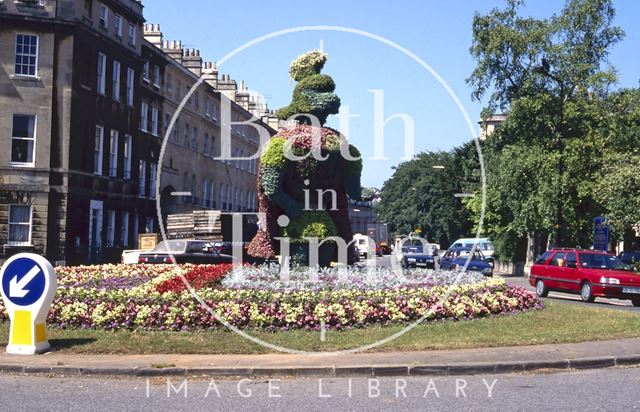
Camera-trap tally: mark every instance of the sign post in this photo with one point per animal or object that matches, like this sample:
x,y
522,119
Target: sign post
x,y
600,234
28,285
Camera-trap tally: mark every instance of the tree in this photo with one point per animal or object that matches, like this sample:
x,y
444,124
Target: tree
x,y
540,169
421,196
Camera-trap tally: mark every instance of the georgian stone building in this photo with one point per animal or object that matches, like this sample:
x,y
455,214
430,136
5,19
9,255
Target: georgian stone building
x,y
69,106
197,172
85,102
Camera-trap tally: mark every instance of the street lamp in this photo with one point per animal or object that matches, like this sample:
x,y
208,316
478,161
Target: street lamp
x,y
544,69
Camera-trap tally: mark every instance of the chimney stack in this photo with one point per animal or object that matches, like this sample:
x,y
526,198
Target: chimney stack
x,y
173,49
210,73
228,87
153,34
191,60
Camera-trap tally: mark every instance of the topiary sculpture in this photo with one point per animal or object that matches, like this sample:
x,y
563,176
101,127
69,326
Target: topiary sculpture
x,y
307,172
314,92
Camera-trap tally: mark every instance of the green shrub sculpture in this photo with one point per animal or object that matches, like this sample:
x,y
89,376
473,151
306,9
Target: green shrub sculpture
x,y
307,172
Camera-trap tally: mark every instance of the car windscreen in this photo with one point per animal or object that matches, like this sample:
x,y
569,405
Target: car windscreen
x,y
464,253
171,246
601,261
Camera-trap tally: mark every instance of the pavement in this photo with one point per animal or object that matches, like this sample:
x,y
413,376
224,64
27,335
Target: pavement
x,y
587,355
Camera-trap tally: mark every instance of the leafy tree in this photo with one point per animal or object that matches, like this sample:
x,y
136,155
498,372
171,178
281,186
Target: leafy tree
x,y
421,196
544,158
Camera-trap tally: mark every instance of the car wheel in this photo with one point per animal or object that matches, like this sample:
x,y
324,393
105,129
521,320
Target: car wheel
x,y
586,292
541,289
636,302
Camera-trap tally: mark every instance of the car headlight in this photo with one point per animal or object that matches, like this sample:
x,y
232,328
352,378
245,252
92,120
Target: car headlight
x,y
486,270
610,281
411,260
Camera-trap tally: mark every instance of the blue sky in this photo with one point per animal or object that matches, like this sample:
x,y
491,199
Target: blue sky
x,y
437,32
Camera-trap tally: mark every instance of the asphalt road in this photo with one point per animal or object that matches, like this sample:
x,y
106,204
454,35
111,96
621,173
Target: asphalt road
x,y
603,389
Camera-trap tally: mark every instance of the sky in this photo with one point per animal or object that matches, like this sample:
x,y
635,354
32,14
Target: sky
x,y
368,71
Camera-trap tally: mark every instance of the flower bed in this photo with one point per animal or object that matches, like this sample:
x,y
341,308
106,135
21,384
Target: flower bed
x,y
154,298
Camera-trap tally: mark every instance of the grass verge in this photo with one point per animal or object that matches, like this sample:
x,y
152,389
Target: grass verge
x,y
557,323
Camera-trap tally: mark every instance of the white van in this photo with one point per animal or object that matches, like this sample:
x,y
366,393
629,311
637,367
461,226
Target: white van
x,y
365,245
484,245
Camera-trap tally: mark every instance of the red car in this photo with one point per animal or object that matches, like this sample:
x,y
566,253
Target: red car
x,y
588,273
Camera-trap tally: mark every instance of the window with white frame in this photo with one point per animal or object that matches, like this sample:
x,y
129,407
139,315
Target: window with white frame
x,y
144,113
165,124
127,156
98,150
205,145
222,197
228,199
193,189
116,80
23,140
196,102
20,217
117,25
136,224
205,199
148,226
212,195
207,107
130,79
214,110
153,174
168,81
102,73
104,16
185,187
142,179
194,139
111,227
235,199
145,72
154,121
156,76
176,131
26,55
124,228
213,143
186,134
133,32
113,154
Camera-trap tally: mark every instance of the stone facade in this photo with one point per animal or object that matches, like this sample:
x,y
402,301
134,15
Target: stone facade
x,y
85,103
206,161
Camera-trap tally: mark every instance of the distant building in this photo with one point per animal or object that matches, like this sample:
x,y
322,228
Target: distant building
x,y
489,125
361,215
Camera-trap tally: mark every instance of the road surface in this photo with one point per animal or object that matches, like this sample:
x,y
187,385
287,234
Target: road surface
x,y
602,389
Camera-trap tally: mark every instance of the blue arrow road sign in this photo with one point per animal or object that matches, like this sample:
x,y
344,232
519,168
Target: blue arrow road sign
x,y
23,282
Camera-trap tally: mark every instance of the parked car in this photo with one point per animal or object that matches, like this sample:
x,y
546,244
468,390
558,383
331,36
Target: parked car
x,y
365,245
184,251
130,257
484,245
466,257
588,273
385,249
630,257
421,256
